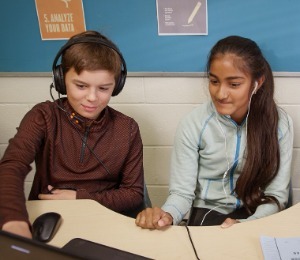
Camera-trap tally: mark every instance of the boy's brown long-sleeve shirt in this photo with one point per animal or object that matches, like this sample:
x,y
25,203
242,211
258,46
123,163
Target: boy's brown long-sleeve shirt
x,y
102,159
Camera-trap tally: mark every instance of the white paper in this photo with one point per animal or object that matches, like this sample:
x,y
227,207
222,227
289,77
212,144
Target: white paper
x,y
279,248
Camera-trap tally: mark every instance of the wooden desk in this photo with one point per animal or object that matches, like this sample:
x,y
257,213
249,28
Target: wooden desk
x,y
242,241
89,220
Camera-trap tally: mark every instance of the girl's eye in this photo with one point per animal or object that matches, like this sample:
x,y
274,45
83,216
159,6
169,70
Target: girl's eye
x,y
235,85
213,81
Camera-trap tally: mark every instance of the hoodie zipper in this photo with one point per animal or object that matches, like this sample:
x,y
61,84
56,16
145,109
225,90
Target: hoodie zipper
x,y
84,143
237,153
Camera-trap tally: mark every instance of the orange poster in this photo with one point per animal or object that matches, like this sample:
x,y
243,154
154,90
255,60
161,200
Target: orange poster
x,y
60,19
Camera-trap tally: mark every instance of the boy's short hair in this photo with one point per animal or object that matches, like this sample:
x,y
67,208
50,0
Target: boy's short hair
x,y
91,56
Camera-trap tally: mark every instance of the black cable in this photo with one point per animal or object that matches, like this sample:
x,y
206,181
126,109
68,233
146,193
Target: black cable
x,y
89,148
191,240
81,137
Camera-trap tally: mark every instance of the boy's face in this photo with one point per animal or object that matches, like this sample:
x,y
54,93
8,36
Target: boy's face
x,y
89,92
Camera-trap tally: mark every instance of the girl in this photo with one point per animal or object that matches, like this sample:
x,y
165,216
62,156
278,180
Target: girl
x,y
232,156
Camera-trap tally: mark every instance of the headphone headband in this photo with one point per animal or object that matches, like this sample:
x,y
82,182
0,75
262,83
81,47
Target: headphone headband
x,y
58,75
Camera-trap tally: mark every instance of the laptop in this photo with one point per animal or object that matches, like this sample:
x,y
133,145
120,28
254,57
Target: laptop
x,y
20,248
95,251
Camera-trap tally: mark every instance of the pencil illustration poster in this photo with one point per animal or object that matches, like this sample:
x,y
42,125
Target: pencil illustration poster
x,y
177,17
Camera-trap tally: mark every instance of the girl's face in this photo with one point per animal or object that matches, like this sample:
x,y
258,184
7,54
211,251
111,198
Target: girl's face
x,y
229,87
90,91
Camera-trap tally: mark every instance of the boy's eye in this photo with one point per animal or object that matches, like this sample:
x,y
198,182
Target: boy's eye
x,y
103,89
80,85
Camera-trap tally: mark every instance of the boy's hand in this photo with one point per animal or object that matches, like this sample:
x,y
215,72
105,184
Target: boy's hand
x,y
58,194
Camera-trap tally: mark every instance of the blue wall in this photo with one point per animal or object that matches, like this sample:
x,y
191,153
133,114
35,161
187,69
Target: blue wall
x,y
132,24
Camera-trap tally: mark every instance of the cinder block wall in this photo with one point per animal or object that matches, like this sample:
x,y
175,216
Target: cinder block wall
x,y
157,104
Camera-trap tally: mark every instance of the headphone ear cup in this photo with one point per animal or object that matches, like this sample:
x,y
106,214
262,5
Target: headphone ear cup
x,y
121,82
58,79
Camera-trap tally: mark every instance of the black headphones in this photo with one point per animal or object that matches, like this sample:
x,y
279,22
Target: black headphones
x,y
58,75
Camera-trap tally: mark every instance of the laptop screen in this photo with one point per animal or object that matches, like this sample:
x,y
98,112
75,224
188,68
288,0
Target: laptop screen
x,y
95,251
19,248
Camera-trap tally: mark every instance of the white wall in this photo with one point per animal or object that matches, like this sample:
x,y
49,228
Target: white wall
x,y
157,104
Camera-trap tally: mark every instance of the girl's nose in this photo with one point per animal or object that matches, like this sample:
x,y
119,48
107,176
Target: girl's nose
x,y
222,92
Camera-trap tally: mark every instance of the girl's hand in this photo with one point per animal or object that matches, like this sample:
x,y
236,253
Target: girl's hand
x,y
229,222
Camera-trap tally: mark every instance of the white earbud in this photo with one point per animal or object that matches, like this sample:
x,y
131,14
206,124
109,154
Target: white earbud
x,y
255,88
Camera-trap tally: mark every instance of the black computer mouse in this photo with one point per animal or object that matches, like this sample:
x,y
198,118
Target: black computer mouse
x,y
45,226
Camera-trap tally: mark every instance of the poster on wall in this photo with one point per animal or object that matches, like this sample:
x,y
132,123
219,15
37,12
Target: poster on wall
x,y
60,19
177,17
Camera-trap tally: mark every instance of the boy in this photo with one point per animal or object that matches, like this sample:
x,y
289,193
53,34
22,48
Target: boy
x,y
83,149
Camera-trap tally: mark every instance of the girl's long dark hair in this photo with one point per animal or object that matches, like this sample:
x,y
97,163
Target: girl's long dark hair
x,y
262,150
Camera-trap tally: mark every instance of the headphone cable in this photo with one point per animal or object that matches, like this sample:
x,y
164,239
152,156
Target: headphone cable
x,y
74,126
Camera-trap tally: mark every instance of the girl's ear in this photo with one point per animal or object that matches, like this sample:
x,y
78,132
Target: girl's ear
x,y
260,82
255,88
